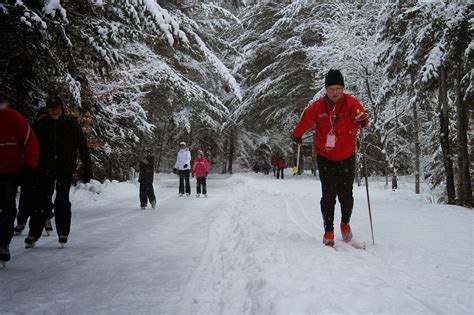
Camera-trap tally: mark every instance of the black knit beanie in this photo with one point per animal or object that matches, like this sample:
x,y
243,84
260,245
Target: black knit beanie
x,y
333,77
54,101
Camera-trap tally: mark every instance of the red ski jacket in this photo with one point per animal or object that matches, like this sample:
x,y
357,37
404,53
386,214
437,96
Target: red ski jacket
x,y
336,127
18,143
281,163
274,159
200,167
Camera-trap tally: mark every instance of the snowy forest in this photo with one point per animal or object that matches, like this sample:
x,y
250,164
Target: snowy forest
x,y
233,77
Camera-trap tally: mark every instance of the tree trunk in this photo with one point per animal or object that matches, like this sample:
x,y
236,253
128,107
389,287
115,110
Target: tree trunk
x,y
230,157
160,153
225,154
464,176
416,134
444,137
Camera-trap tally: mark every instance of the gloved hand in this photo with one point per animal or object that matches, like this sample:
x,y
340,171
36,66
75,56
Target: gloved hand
x,y
296,139
206,174
192,175
185,165
361,118
86,175
175,170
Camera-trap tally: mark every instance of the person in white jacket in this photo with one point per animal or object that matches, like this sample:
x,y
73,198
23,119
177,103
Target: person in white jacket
x,y
183,167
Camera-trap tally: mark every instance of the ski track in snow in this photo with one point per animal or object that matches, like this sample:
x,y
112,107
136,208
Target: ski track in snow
x,y
253,247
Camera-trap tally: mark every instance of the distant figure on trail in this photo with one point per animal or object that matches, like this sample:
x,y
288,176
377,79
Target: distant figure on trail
x,y
147,172
337,117
200,170
183,168
274,163
281,164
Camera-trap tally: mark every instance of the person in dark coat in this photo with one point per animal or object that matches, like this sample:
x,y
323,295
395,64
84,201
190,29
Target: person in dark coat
x,y
147,172
18,149
29,182
60,137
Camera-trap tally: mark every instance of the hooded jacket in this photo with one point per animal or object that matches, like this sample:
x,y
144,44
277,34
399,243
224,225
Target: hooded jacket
x,y
338,120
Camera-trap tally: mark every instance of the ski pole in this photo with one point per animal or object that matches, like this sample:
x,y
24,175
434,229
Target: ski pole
x,y
296,168
362,144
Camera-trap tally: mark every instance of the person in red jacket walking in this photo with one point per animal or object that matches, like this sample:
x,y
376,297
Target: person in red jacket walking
x,y
200,170
281,164
18,148
336,118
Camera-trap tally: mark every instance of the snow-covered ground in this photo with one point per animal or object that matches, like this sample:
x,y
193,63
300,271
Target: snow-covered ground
x,y
253,247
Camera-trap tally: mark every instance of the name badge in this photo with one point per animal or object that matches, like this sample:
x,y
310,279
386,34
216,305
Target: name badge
x,y
330,141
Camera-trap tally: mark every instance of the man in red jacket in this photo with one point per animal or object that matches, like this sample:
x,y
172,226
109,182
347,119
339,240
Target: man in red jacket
x,y
18,148
336,118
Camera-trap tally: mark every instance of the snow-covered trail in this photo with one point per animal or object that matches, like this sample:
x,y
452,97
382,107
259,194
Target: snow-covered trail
x,y
253,247
119,259
270,254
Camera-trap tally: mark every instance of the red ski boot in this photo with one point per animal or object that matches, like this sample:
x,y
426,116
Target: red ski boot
x,y
346,232
328,238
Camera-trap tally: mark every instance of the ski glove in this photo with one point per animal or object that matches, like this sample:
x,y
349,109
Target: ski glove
x,y
86,175
361,118
175,170
296,139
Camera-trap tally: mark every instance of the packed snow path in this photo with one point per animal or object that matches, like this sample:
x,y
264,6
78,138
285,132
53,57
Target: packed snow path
x,y
253,247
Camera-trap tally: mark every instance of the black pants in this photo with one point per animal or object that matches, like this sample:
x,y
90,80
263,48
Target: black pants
x,y
184,180
147,194
280,171
336,178
29,198
62,206
8,187
201,183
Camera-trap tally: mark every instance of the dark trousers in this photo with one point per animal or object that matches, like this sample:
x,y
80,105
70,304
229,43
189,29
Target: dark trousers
x,y
280,171
29,198
62,206
201,183
147,194
8,187
184,180
336,178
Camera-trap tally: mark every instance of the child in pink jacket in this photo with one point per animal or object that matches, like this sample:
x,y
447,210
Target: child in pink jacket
x,y
200,169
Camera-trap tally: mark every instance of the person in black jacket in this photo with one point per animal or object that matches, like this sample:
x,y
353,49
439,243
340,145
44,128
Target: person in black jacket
x,y
29,183
59,138
147,171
